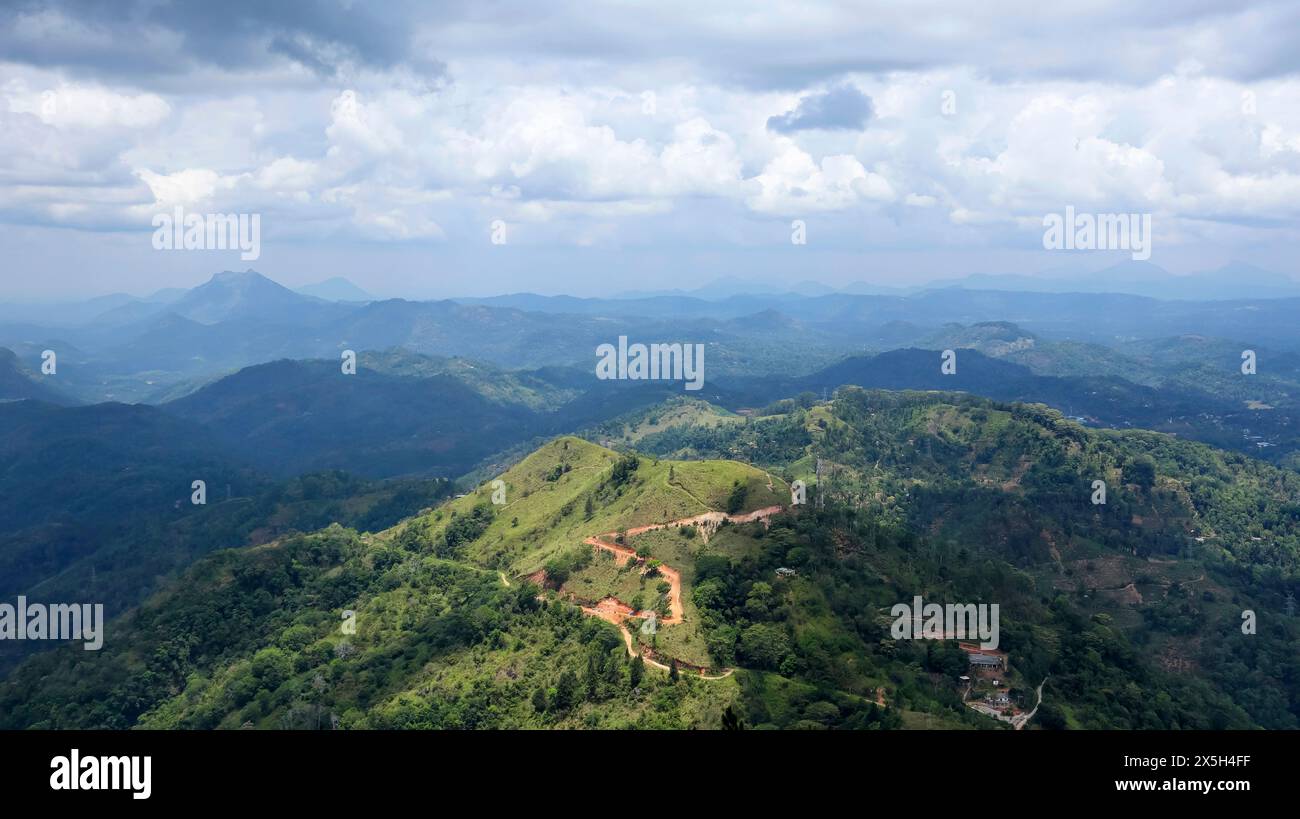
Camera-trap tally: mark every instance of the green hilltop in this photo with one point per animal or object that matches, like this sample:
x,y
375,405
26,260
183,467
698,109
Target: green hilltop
x,y
546,511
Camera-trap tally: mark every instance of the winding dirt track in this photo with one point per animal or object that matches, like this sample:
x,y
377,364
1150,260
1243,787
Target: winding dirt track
x,y
670,574
1019,722
615,611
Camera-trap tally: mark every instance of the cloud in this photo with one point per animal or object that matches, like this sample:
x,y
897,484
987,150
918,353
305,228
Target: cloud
x,y
651,125
793,183
146,41
841,108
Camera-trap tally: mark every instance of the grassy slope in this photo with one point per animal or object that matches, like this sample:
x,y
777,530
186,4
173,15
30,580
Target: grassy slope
x,y
541,518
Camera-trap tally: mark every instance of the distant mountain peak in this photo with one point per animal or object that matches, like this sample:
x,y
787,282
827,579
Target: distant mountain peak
x,y
242,295
250,275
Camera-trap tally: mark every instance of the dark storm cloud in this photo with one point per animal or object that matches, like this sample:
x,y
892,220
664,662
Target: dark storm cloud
x,y
140,39
745,44
844,108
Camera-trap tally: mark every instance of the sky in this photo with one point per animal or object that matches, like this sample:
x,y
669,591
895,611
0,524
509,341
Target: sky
x,y
610,147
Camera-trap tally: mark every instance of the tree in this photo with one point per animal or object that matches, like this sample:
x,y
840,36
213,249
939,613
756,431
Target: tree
x,y
566,690
764,645
623,470
1051,717
736,501
588,509
732,722
590,679
539,700
759,603
672,670
1141,471
271,667
613,665
636,671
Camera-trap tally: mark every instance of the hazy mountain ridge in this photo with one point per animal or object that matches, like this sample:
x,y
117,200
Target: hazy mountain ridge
x,y
146,350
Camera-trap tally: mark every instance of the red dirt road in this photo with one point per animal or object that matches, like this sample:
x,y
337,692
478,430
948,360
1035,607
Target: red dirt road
x,y
674,578
616,611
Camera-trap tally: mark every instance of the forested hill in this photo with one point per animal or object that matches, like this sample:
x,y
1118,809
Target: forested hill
x,y
1128,612
1188,539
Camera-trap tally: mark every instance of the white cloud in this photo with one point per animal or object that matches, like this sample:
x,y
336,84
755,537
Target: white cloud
x,y
792,182
574,147
189,187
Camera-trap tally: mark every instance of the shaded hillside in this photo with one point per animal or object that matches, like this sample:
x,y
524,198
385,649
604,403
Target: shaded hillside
x,y
102,461
297,416
17,384
99,503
